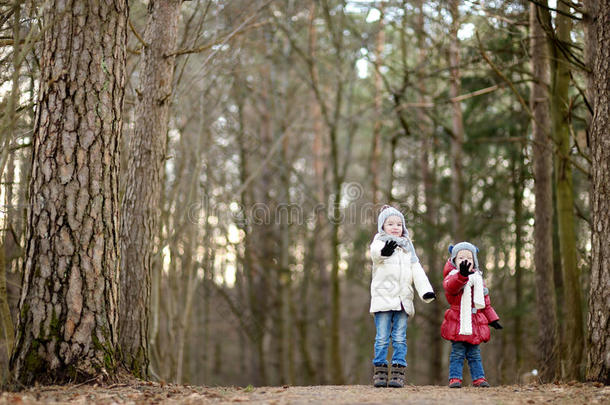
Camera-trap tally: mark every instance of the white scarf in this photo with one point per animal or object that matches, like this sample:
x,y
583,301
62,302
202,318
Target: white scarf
x,y
402,241
475,282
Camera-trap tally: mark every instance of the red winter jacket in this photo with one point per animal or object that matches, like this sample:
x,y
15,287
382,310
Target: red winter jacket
x,y
454,284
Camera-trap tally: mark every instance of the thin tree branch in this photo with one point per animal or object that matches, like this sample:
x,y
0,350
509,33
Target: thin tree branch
x,y
503,76
217,43
476,93
542,5
137,34
522,101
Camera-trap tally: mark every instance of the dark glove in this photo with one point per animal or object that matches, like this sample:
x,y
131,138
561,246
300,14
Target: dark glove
x,y
465,268
495,324
389,247
429,295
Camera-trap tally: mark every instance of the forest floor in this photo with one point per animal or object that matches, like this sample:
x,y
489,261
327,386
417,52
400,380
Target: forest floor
x,y
141,392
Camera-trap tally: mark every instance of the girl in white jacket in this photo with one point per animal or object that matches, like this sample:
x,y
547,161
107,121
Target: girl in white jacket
x,y
396,269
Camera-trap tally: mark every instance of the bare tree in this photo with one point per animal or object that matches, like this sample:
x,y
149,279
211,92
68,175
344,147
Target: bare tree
x,y
375,157
140,204
457,138
334,23
317,246
518,181
548,338
429,180
67,325
8,130
560,45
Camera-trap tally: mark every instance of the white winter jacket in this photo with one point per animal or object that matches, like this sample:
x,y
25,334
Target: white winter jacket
x,y
393,280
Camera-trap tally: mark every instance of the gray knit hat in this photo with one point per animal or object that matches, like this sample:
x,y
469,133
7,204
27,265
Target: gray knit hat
x,y
386,212
454,250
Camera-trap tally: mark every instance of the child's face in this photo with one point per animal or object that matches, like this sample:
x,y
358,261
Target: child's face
x,y
463,255
393,226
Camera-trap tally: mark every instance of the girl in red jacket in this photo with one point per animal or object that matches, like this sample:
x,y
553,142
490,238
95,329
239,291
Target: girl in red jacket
x,y
467,321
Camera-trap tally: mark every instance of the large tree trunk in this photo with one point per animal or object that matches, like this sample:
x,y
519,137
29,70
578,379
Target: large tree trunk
x,y
560,70
140,205
67,326
598,338
548,338
457,140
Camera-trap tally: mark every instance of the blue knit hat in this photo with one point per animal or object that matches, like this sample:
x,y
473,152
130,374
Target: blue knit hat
x,y
454,250
386,212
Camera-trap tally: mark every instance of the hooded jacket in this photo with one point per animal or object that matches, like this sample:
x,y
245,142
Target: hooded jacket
x,y
454,283
394,277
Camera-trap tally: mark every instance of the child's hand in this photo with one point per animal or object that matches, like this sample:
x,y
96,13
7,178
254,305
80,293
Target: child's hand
x,y
389,247
495,324
429,295
465,268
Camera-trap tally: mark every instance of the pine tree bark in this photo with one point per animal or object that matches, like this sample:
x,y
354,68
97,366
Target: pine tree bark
x,y
67,325
598,338
548,338
140,204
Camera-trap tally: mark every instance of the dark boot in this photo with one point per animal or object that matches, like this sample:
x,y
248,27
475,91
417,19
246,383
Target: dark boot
x,y
397,376
380,376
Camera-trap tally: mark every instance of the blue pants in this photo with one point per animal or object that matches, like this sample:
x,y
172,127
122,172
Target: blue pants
x,y
472,353
391,324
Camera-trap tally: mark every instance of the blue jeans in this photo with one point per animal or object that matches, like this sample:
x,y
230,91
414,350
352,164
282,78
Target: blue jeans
x,y
472,353
391,324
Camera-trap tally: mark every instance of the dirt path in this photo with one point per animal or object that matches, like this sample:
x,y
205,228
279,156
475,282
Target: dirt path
x,y
155,393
